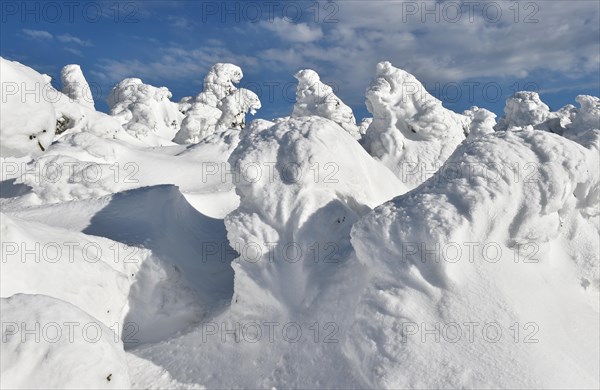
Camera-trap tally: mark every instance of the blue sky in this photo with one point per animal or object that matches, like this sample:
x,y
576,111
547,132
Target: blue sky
x,y
475,53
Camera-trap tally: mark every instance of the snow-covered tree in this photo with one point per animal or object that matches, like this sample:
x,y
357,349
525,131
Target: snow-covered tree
x,y
313,97
482,121
75,86
28,120
235,107
522,109
219,82
221,105
145,111
411,133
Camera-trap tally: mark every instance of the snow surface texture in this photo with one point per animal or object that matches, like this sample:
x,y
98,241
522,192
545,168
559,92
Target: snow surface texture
x,y
145,111
220,106
411,133
75,86
290,246
313,97
551,213
28,120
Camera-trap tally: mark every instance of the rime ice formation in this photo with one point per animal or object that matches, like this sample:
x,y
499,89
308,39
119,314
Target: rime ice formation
x,y
314,97
75,86
288,245
411,133
145,111
482,121
220,106
27,123
522,109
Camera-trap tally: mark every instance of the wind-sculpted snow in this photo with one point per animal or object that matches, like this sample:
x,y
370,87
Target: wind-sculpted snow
x,y
75,86
411,133
145,111
235,107
93,267
27,123
480,242
290,246
482,121
220,106
585,125
527,109
83,165
77,351
318,184
313,97
523,109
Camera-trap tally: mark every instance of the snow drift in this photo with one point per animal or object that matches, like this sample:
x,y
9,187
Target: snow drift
x,y
425,272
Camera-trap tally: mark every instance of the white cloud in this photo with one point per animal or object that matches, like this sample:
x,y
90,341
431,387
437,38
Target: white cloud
x,y
37,34
171,63
66,38
293,32
545,38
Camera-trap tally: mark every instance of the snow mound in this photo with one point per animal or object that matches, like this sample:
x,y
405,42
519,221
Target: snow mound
x,y
145,111
411,133
49,343
319,181
75,86
84,165
171,266
314,97
220,106
37,259
27,123
430,266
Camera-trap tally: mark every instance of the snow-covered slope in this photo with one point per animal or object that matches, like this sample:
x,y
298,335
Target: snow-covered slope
x,y
512,252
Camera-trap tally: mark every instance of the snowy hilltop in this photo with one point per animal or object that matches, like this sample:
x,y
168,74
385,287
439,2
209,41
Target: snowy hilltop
x,y
171,244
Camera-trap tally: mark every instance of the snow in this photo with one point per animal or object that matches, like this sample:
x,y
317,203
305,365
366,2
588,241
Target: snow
x,y
314,97
28,121
411,133
145,111
558,204
52,344
75,86
220,106
441,250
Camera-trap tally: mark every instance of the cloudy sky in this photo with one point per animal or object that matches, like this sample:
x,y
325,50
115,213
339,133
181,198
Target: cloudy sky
x,y
466,52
